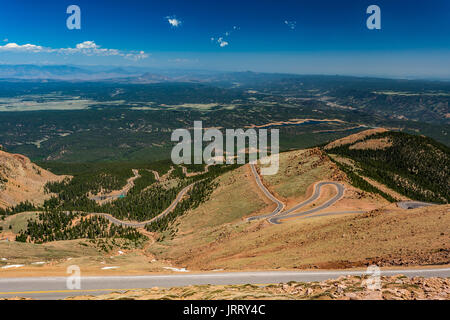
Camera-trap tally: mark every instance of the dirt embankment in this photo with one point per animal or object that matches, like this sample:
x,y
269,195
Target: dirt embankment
x,y
344,288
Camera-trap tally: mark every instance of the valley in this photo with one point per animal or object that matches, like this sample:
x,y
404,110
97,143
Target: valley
x,y
224,150
137,118
355,187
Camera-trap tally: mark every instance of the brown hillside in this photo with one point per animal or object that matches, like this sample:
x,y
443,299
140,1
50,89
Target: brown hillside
x,y
21,180
372,144
216,235
387,237
354,138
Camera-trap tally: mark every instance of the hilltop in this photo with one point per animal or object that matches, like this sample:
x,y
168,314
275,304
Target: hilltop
x,y
413,166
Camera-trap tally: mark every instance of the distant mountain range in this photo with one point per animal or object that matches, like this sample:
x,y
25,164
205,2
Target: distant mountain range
x,y
62,72
143,75
131,75
91,73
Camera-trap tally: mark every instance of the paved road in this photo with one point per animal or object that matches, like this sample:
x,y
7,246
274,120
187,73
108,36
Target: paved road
x,y
55,288
317,189
278,214
413,204
280,205
144,223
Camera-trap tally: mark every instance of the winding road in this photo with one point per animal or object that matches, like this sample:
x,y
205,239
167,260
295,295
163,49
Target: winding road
x,y
278,214
274,217
268,194
317,190
156,174
164,177
142,224
169,209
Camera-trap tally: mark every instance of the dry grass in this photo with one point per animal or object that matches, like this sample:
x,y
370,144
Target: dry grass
x,y
18,222
233,199
397,196
298,170
27,253
372,144
354,138
52,259
217,236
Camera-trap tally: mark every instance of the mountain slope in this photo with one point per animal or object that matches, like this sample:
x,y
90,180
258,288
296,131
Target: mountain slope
x,y
21,180
216,235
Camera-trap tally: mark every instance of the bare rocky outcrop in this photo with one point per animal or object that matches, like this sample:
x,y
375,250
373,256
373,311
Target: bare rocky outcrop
x,y
21,180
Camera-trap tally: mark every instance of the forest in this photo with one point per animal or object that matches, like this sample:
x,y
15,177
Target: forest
x,y
67,217
57,225
133,122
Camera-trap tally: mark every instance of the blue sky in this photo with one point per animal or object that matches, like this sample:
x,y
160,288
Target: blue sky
x,y
321,36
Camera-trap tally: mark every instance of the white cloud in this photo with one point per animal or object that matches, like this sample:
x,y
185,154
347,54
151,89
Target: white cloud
x,y
87,45
5,40
223,40
21,48
173,21
222,43
291,24
136,56
88,48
